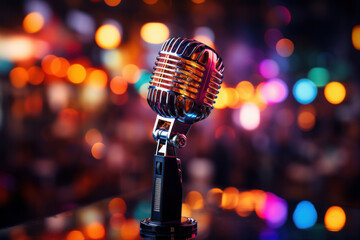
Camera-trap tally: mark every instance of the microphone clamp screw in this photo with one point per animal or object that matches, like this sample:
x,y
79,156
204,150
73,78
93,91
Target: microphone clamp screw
x,y
178,140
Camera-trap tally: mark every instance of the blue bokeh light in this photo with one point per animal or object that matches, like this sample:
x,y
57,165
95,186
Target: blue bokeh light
x,y
304,91
305,215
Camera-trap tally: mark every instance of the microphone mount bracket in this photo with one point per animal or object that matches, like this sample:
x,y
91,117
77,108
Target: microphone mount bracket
x,y
169,134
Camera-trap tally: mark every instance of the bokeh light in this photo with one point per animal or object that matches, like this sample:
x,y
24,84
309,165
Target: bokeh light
x,y
306,120
150,2
154,32
304,215
117,205
285,47
274,210
108,36
185,210
304,91
93,136
130,230
95,230
245,89
198,1
195,200
59,67
118,85
274,91
268,68
98,150
97,78
249,116
335,219
75,235
46,63
19,77
320,76
355,37
230,198
131,73
278,16
246,204
33,22
335,92
116,221
36,75
76,73
214,196
112,3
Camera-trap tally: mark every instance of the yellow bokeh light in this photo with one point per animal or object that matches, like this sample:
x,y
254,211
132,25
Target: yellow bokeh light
x,y
154,32
355,37
230,198
97,78
112,3
195,200
185,210
245,89
246,204
76,73
19,77
222,99
118,85
335,92
335,219
108,36
33,22
233,98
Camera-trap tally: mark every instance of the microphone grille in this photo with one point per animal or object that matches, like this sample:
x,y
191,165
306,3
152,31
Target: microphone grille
x,y
186,79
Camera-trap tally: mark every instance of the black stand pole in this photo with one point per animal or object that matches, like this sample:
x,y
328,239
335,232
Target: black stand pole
x,y
166,221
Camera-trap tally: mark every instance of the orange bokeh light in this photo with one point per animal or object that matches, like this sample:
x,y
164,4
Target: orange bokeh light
x,y
185,210
355,37
246,204
95,230
230,198
259,202
117,220
150,2
93,136
108,36
195,200
97,78
98,150
117,205
214,196
306,120
112,3
131,73
59,67
118,85
335,219
33,22
285,47
36,75
130,230
76,73
154,32
245,89
75,235
46,63
19,77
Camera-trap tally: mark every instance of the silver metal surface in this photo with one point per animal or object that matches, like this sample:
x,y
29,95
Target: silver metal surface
x,y
186,79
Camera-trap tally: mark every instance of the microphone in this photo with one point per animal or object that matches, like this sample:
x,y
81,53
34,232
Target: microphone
x,y
186,80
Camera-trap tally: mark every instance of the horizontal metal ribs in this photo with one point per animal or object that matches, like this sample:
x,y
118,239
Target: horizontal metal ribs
x,y
178,75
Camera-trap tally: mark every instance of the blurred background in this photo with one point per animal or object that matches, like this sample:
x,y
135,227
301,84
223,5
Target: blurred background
x,y
76,128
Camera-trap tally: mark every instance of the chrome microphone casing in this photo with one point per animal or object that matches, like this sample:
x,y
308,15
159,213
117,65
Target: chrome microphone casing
x,y
186,80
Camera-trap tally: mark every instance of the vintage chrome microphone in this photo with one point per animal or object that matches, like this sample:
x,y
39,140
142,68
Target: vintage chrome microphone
x,y
182,91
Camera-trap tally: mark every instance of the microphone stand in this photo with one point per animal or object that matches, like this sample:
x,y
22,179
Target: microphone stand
x,y
166,221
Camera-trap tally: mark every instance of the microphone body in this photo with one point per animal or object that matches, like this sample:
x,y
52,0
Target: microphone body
x,y
185,83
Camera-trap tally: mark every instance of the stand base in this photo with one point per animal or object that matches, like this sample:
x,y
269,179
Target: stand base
x,y
187,229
